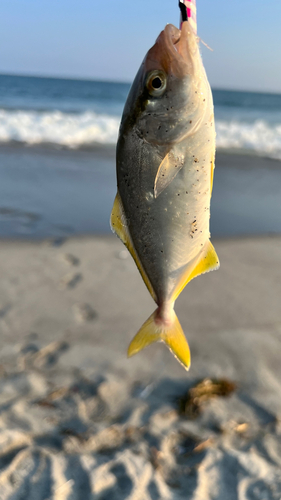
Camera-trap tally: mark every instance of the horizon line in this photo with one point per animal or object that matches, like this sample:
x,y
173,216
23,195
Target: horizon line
x,y
122,82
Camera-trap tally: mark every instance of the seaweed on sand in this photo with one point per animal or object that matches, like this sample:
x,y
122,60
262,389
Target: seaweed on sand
x,y
192,403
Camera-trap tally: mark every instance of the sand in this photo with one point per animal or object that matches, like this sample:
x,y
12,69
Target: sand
x,y
80,421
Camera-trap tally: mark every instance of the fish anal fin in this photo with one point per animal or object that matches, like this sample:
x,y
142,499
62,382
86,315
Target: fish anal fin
x,y
155,331
167,171
119,226
207,261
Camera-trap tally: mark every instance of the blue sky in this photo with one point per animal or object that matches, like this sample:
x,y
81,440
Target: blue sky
x,y
108,40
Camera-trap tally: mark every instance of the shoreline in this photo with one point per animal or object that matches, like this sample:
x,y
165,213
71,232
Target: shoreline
x,y
59,241
62,193
108,150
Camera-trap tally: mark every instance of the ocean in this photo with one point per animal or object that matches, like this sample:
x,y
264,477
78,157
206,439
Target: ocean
x,y
78,114
57,139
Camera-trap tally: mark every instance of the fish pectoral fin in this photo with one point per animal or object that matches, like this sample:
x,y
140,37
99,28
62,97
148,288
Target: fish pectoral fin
x,y
172,335
207,261
167,171
119,226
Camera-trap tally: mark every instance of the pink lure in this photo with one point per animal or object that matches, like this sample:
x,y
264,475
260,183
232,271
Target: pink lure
x,y
191,13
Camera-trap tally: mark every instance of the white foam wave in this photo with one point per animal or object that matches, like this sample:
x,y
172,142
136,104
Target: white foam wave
x,y
76,130
65,129
258,137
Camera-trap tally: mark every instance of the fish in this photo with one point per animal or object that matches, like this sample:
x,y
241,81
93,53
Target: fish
x,y
165,159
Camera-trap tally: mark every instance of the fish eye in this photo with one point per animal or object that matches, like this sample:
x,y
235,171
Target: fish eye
x,y
156,82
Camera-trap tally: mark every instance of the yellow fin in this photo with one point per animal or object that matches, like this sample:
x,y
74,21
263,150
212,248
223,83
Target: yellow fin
x,y
117,220
206,262
167,171
119,226
171,335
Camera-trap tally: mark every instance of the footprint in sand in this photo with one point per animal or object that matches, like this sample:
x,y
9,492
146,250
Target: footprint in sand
x,y
4,310
45,357
56,242
84,312
70,259
70,281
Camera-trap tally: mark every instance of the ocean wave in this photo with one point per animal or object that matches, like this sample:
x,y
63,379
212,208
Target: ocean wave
x,y
65,129
74,130
258,137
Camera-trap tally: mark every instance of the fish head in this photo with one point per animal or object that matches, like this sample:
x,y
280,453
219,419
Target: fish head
x,y
171,92
174,52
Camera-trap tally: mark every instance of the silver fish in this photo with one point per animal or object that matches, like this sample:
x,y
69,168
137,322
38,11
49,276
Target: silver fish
x,y
165,164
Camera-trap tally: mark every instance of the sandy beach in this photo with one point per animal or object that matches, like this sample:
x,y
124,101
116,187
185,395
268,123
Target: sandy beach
x,y
80,421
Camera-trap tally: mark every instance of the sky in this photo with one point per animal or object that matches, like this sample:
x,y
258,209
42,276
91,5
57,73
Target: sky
x,y
108,40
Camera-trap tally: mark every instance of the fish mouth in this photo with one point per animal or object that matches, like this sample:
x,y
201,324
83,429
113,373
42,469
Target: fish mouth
x,y
174,51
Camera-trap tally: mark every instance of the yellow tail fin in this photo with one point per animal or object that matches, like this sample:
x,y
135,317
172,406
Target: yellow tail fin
x,y
156,331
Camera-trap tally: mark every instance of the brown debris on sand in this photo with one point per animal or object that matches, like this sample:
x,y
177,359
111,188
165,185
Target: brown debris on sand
x,y
192,403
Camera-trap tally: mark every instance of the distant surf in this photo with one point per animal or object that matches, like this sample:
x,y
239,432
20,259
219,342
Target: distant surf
x,y
88,129
78,114
258,137
55,127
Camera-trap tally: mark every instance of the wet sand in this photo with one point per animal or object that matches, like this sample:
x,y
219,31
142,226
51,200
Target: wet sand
x,y
80,421
46,192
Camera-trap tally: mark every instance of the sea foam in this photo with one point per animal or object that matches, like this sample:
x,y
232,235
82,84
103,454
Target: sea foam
x,y
65,129
75,130
258,137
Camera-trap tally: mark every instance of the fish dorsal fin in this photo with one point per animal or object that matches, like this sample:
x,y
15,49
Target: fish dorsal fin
x,y
119,226
207,261
167,171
